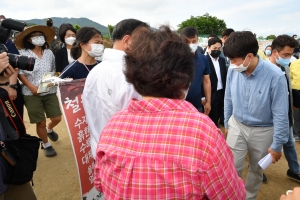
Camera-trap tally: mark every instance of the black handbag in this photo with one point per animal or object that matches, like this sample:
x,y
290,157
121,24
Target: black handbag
x,y
25,152
20,150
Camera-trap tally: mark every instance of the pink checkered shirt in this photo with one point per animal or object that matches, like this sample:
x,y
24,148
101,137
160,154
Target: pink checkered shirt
x,y
165,149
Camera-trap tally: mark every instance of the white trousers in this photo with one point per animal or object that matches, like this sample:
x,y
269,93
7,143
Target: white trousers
x,y
255,141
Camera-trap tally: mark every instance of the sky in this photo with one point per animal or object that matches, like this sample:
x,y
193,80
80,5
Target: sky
x,y
263,17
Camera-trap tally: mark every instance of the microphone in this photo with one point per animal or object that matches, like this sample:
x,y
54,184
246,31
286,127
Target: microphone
x,y
12,24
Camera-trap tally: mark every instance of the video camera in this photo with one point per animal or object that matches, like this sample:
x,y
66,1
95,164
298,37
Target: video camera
x,y
16,61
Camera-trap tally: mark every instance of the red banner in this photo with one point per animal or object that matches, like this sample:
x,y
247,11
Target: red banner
x,y
70,99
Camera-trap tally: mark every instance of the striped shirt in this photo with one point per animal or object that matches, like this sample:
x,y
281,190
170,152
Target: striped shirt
x,y
165,149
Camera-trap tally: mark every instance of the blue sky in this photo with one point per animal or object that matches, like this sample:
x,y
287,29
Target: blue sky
x,y
264,17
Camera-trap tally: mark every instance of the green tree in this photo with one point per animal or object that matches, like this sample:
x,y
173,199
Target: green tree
x,y
205,24
110,29
77,27
271,37
261,38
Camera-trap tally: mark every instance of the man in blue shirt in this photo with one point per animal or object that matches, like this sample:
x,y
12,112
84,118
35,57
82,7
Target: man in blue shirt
x,y
202,71
255,108
282,51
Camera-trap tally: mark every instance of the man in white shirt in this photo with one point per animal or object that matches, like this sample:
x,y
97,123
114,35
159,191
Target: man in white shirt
x,y
106,90
209,37
218,72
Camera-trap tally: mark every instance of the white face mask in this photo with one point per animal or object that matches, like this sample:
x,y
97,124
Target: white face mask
x,y
38,40
239,68
97,50
193,47
70,40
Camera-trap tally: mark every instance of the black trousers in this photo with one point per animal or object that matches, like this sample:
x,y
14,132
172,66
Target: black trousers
x,y
296,98
217,107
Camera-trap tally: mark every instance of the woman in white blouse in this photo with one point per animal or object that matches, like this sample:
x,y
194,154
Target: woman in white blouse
x,y
34,42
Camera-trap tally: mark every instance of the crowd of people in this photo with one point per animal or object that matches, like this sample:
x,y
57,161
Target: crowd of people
x,y
155,103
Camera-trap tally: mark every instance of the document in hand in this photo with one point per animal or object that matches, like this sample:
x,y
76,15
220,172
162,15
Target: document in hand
x,y
265,161
43,87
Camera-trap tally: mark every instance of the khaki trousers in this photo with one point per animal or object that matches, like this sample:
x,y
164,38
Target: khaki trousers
x,y
255,141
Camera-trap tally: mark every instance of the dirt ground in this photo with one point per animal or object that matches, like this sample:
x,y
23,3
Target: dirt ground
x,y
57,177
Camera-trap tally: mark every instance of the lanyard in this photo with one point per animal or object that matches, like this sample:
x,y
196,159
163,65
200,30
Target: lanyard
x,y
87,67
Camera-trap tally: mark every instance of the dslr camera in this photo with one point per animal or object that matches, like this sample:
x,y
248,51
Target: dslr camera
x,y
16,61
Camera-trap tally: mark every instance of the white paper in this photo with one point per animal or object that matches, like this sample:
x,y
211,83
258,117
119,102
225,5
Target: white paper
x,y
265,161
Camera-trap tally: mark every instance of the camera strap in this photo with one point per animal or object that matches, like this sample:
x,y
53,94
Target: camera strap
x,y
12,124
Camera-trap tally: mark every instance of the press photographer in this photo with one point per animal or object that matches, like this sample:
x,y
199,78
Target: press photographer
x,y
9,191
7,45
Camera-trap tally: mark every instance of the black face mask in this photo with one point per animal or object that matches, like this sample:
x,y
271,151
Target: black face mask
x,y
215,53
49,24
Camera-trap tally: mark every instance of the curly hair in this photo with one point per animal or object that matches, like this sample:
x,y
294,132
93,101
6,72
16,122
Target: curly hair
x,y
159,64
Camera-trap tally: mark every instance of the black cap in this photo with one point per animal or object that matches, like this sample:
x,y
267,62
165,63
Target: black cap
x,y
49,20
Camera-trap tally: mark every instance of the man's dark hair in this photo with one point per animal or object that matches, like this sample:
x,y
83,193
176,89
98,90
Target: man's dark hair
x,y
126,27
239,44
213,41
189,32
159,64
63,30
29,45
294,35
83,35
227,32
283,40
213,35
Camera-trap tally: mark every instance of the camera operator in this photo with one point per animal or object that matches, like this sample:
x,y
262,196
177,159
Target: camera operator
x,y
10,192
14,89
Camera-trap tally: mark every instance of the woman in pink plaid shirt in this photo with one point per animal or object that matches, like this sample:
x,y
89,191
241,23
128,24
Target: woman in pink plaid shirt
x,y
161,147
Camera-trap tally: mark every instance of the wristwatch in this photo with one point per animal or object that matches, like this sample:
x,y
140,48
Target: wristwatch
x,y
14,86
4,84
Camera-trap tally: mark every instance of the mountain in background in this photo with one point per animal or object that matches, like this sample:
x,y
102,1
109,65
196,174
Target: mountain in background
x,y
57,21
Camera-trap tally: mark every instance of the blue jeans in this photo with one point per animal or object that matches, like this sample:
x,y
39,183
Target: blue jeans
x,y
290,153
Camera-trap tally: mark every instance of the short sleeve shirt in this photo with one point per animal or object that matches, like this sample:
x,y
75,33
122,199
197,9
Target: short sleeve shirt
x,y
77,70
41,66
201,68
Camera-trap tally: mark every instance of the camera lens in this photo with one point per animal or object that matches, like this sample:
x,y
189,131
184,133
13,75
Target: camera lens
x,y
21,62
